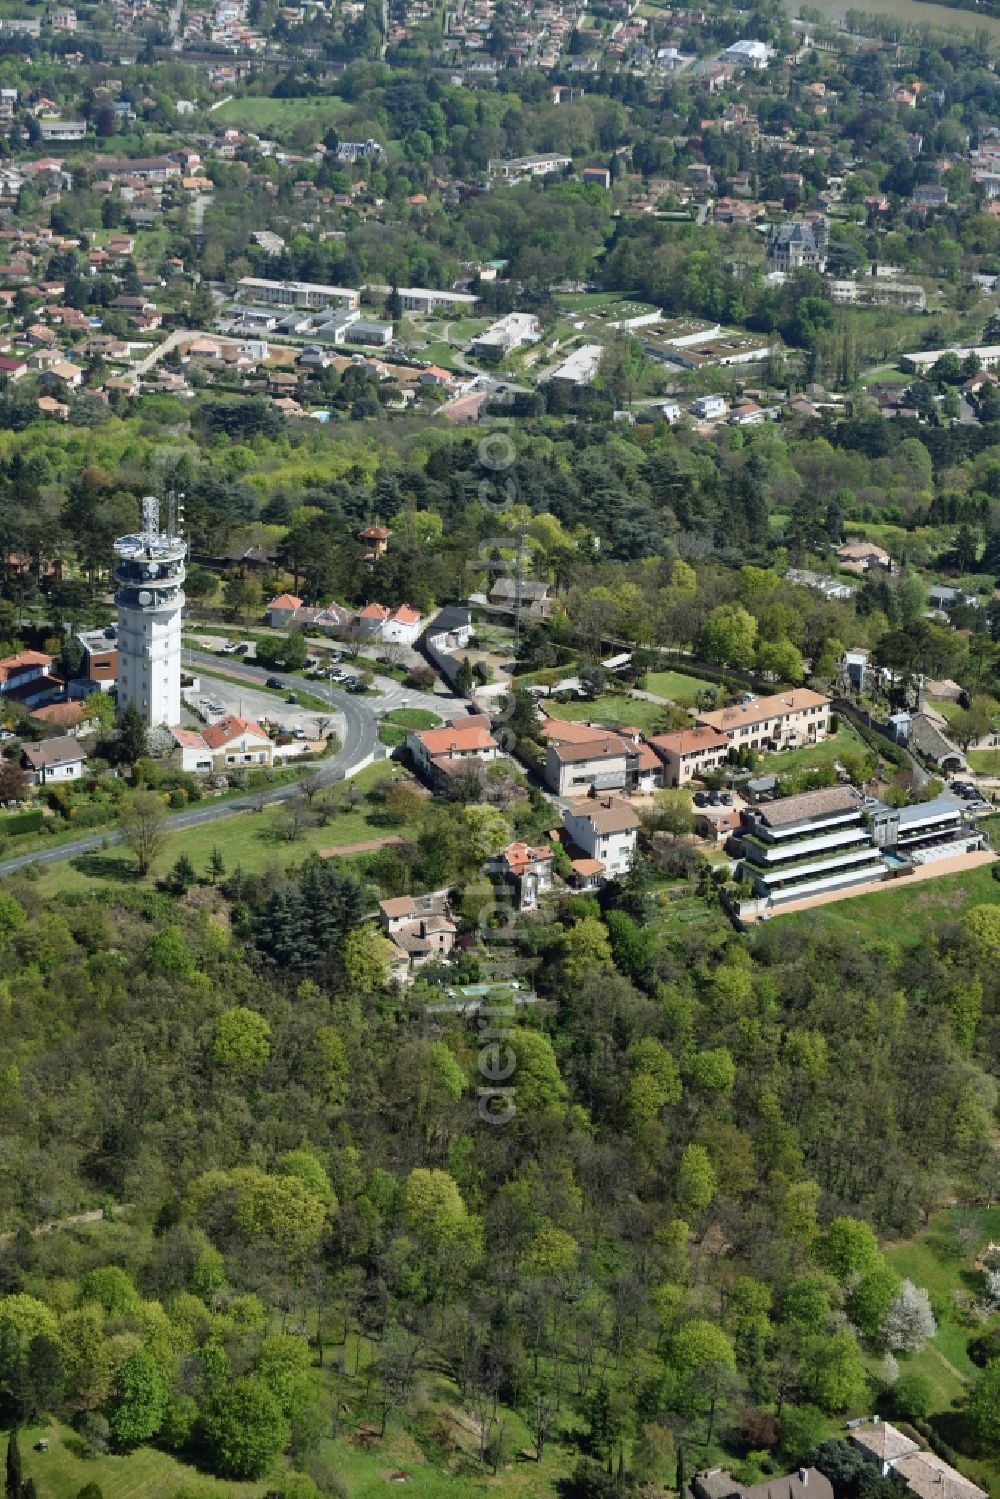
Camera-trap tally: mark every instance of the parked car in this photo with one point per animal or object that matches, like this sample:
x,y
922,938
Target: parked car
x,y
715,799
291,697
355,684
276,683
230,647
727,798
299,732
242,648
700,799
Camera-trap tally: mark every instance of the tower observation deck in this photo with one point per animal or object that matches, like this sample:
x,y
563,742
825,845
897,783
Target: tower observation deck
x,y
149,593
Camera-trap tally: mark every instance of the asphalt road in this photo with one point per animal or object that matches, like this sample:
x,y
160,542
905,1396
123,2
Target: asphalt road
x,y
360,740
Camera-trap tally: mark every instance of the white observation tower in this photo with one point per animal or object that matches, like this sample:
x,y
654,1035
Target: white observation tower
x,y
149,575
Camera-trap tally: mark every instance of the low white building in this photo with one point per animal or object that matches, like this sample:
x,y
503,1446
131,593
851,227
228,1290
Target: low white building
x,y
296,293
514,168
190,751
578,368
748,54
505,334
708,408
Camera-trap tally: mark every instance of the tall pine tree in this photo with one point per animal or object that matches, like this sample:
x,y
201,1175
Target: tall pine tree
x,y
13,1485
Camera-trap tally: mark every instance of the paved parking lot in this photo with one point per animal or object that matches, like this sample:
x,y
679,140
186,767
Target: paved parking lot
x,y
257,703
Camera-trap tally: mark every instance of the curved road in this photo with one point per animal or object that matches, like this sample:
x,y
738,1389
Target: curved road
x,y
360,740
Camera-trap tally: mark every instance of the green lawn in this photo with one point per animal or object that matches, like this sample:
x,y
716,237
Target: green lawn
x,y
278,116
941,1259
811,756
251,840
985,762
902,911
676,685
395,724
61,1472
634,712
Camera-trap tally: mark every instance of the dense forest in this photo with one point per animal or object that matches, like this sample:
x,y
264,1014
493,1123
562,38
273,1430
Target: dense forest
x,y
670,1235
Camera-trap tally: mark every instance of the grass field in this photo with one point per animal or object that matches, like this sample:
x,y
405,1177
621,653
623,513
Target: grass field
x,y
61,1472
676,685
985,762
619,711
395,724
251,840
902,912
276,116
812,756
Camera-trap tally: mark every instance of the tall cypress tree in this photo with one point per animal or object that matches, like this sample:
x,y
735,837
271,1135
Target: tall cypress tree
x,y
13,1486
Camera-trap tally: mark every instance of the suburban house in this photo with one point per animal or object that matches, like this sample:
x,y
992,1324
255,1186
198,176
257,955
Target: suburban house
x,y
604,830
69,715
20,670
281,611
782,721
863,557
54,760
419,927
944,598
898,1456
190,752
535,597
460,745
236,741
883,1443
717,1483
524,872
687,753
399,626
582,759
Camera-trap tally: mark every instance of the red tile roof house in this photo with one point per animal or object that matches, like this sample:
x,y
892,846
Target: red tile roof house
x,y
525,871
20,670
280,610
459,746
687,753
399,626
72,717
584,758
237,742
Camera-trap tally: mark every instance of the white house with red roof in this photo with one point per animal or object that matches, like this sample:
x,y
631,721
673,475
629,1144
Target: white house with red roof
x,y
525,870
439,753
399,626
27,666
236,743
281,611
190,751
